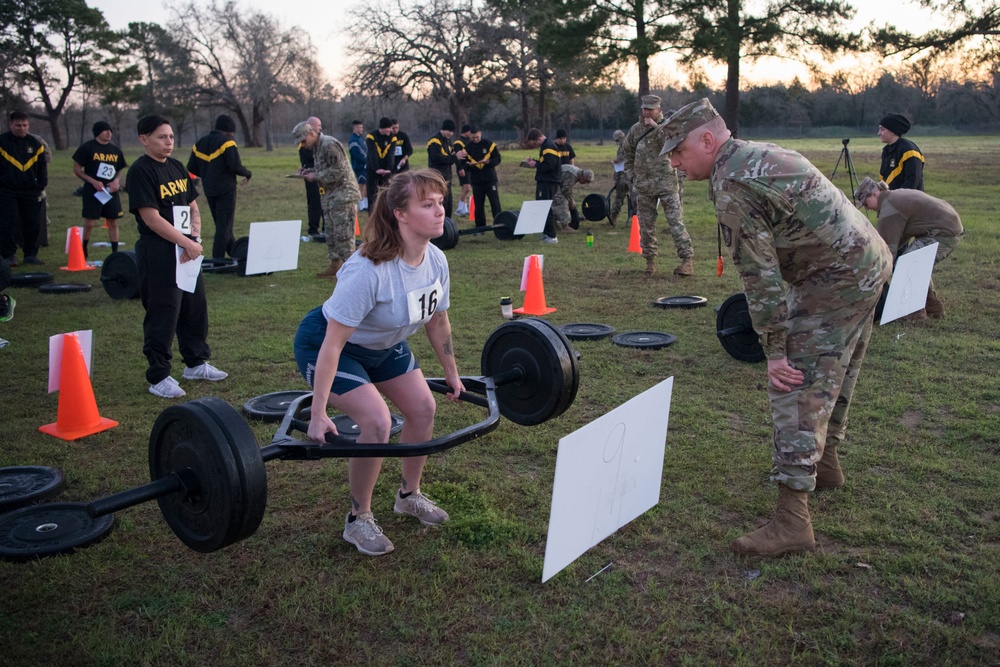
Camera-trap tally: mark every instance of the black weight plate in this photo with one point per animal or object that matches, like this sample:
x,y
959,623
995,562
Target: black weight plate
x,y
21,485
240,252
64,288
186,436
647,340
120,275
50,529
348,428
271,408
548,363
247,456
595,207
681,302
219,265
586,331
735,330
30,279
504,226
448,238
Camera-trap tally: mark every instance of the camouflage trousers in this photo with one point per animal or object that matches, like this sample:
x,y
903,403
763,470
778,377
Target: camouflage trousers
x,y
828,348
673,209
622,193
946,245
561,205
339,219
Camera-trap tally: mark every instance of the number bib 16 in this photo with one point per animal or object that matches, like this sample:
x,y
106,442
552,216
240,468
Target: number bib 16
x,y
423,302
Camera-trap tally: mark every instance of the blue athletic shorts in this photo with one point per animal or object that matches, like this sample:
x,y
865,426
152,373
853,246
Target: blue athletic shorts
x,y
358,365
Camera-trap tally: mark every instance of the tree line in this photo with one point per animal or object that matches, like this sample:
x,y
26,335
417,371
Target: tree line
x,y
506,63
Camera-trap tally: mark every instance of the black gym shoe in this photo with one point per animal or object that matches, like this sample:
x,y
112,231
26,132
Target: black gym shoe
x,y
7,304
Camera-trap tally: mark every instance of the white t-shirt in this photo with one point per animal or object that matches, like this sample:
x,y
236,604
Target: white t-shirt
x,y
388,302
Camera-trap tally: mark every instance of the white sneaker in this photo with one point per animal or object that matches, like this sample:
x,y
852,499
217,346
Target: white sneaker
x,y
204,372
363,205
167,388
549,240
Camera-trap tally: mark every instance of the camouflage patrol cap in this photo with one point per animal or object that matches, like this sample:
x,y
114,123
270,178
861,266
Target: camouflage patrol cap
x,y
866,188
650,102
689,117
618,135
300,131
586,176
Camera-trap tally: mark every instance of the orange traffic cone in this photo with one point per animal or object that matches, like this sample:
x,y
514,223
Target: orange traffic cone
x,y
78,416
472,208
534,297
357,228
633,239
77,260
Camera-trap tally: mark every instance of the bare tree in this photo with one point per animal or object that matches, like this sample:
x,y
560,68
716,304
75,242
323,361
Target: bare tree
x,y
440,49
246,63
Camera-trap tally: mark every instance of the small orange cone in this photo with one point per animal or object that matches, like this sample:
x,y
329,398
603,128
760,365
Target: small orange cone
x,y
472,208
633,239
357,229
534,297
78,416
77,260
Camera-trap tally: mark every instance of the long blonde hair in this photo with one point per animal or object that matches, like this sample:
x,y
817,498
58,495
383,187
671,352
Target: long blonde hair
x,y
382,239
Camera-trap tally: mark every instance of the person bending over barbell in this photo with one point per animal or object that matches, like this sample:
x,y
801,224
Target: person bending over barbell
x,y
353,348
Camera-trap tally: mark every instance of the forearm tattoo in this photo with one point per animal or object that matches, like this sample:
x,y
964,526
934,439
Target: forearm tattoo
x,y
447,346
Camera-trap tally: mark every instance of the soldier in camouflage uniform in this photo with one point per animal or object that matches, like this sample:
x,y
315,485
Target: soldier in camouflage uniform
x,y
623,189
812,268
339,193
653,180
562,202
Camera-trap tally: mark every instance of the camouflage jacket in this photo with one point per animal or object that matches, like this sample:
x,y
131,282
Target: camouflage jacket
x,y
800,246
643,165
333,171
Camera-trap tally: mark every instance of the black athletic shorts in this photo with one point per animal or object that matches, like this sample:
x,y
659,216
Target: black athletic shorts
x,y
93,209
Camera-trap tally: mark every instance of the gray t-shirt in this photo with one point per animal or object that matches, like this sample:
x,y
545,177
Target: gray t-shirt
x,y
386,303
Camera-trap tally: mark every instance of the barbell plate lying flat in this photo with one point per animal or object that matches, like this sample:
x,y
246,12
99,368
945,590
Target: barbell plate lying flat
x,y
50,529
21,485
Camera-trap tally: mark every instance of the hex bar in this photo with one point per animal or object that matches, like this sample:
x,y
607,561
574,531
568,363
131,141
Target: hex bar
x,y
285,446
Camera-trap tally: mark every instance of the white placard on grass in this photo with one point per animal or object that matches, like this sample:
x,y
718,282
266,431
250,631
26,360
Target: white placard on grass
x,y
531,219
527,265
85,338
274,246
910,280
607,473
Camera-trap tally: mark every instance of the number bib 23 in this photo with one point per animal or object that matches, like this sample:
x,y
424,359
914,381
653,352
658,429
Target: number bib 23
x,y
423,302
182,219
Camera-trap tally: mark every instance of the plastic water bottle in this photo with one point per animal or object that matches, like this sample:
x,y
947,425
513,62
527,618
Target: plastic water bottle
x,y
590,239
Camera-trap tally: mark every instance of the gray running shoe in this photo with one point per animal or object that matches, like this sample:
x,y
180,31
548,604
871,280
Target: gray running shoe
x,y
418,505
365,534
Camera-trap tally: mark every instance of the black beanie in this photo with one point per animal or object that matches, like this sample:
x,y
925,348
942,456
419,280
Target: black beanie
x,y
384,123
448,125
895,123
225,124
101,126
561,134
466,128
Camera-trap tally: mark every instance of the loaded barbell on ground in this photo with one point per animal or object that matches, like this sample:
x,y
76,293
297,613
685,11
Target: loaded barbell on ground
x,y
503,228
207,469
735,330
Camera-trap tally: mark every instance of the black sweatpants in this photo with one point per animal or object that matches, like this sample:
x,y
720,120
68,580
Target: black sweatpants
x,y
169,310
223,209
481,191
545,191
19,224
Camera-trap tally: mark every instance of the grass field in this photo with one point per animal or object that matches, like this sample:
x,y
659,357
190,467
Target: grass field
x,y
906,569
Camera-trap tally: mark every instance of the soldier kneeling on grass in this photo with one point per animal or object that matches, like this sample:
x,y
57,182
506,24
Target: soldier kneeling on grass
x,y
909,220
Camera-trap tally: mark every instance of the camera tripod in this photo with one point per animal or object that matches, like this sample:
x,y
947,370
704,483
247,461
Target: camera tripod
x,y
845,155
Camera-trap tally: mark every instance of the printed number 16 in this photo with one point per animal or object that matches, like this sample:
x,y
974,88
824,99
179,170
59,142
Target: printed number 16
x,y
428,304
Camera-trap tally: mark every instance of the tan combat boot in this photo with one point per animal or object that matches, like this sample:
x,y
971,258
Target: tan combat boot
x,y
829,475
686,267
916,316
790,530
650,266
934,307
331,271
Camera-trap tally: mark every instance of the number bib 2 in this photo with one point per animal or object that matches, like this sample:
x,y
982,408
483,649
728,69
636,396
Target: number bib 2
x,y
182,219
423,302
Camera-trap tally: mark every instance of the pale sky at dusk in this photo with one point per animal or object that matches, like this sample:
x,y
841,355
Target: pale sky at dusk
x,y
327,18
